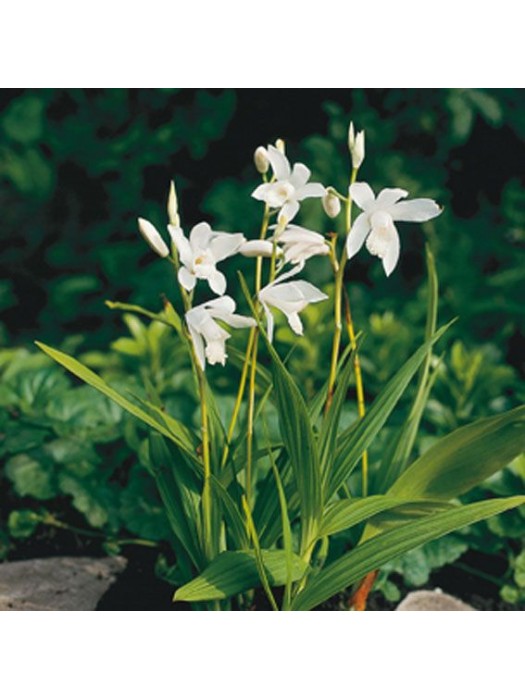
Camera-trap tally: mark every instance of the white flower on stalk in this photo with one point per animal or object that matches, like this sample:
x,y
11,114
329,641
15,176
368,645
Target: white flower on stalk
x,y
200,254
289,297
375,224
153,238
208,337
299,244
290,186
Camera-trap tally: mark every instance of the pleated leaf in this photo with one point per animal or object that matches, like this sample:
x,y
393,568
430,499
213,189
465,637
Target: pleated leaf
x,y
467,456
176,432
357,439
376,552
235,572
349,512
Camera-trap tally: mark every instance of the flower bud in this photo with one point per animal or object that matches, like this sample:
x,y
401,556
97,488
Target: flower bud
x,y
173,207
153,238
356,145
260,158
279,145
331,205
258,248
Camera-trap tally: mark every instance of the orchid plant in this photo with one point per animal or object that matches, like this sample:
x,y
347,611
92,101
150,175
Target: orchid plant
x,y
249,511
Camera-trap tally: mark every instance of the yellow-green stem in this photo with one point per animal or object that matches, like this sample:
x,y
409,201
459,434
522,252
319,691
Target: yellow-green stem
x,y
338,293
238,400
253,368
360,393
206,462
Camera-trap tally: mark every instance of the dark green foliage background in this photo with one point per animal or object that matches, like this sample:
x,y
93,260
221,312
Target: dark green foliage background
x,y
78,166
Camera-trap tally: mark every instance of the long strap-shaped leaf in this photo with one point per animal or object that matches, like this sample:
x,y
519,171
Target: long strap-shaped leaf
x,y
359,438
176,432
467,456
235,572
378,551
348,512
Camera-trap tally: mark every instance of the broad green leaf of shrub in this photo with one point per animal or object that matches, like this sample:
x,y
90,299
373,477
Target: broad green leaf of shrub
x,y
22,523
31,477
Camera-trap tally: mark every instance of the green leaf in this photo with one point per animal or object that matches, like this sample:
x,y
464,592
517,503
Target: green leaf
x,y
348,512
176,492
86,375
402,448
380,550
298,437
330,424
467,456
358,438
31,477
22,523
234,572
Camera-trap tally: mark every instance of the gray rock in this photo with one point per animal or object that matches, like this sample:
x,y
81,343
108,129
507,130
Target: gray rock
x,y
57,583
432,600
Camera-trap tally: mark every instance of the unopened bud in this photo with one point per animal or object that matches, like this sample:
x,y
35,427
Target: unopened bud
x,y
356,145
153,238
331,205
258,248
279,145
173,206
260,158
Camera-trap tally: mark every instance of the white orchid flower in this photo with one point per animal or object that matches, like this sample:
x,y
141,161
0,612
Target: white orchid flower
x,y
289,297
208,337
200,254
375,224
290,186
299,244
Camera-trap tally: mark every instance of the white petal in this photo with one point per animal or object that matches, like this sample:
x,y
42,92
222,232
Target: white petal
x,y
182,244
200,236
261,192
225,245
415,210
358,234
389,196
295,323
198,343
255,249
238,321
312,189
216,352
186,279
217,282
269,320
362,195
153,238
392,254
279,163
289,210
300,175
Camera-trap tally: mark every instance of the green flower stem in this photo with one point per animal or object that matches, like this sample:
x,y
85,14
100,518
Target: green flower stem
x,y
339,269
253,367
238,400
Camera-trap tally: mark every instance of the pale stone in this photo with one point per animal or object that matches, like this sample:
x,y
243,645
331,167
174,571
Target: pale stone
x,y
432,600
57,583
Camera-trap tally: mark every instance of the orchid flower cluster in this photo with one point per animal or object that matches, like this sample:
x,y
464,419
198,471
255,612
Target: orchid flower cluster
x,y
198,255
246,512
